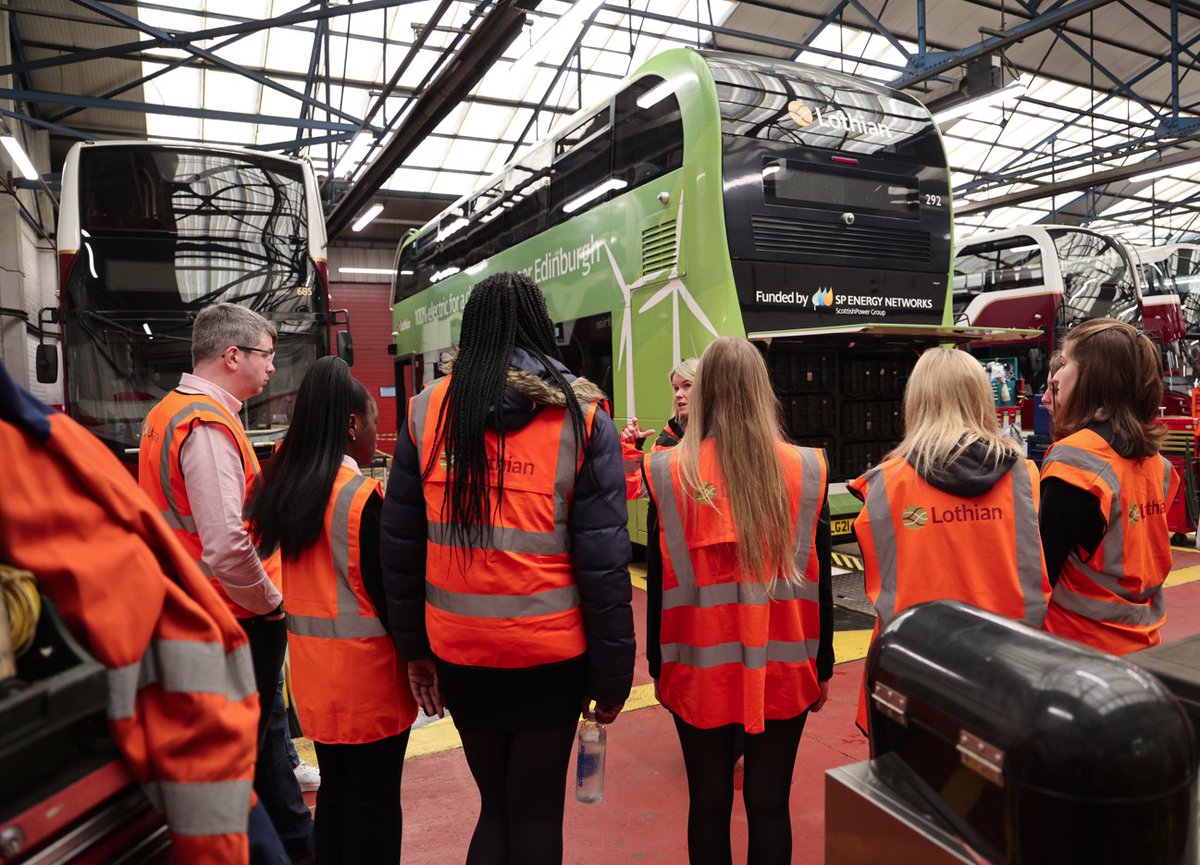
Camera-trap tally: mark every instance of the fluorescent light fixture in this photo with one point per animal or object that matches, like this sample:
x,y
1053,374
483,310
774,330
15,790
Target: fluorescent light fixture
x,y
367,218
375,271
580,10
406,273
146,327
593,193
353,155
456,225
1011,92
654,95
19,157
1153,173
442,274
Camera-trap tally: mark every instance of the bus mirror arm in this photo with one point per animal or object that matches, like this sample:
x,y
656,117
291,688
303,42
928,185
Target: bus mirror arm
x,y
344,341
46,358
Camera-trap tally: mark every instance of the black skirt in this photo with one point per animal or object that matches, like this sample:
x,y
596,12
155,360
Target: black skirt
x,y
490,700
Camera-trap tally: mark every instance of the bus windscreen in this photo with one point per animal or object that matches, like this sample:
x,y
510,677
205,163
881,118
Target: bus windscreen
x,y
194,228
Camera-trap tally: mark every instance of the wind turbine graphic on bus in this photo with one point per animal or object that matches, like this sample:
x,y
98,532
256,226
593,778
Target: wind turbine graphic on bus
x,y
674,289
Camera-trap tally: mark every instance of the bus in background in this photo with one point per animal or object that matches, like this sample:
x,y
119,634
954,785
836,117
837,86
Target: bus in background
x,y
715,194
1176,268
151,233
1053,277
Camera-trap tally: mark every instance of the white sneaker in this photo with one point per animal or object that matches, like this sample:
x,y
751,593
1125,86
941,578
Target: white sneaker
x,y
308,775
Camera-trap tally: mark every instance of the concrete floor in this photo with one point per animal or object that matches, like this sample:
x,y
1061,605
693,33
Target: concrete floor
x,y
644,813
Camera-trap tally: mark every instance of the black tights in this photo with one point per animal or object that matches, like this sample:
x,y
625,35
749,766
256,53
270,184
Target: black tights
x,y
708,756
522,780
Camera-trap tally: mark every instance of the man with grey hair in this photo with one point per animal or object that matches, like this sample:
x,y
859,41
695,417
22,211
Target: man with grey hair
x,y
198,467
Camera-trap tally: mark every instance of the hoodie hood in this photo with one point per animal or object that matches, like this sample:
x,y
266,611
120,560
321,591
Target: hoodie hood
x,y
972,473
529,387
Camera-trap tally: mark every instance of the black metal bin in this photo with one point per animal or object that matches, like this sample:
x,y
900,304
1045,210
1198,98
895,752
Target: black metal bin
x,y
1034,749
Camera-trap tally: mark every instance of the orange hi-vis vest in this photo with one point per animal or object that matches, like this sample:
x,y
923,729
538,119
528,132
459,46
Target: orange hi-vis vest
x,y
731,653
166,428
349,684
921,544
182,704
512,602
1113,600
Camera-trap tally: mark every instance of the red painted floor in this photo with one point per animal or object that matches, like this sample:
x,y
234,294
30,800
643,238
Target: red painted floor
x,y
643,816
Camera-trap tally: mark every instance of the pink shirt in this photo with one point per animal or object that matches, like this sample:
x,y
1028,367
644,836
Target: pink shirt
x,y
216,490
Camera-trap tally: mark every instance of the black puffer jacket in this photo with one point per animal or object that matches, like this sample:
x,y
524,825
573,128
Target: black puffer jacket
x,y
596,521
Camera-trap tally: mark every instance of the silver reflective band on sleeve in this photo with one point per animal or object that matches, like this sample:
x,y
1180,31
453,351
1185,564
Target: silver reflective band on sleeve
x,y
1166,478
349,624
202,808
1142,615
180,666
883,533
1029,545
502,606
508,540
750,657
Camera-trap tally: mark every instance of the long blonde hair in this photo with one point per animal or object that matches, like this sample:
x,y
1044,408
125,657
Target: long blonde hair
x,y
948,406
732,403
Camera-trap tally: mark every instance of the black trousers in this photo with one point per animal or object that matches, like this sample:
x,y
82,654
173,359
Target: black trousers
x,y
359,820
708,757
274,781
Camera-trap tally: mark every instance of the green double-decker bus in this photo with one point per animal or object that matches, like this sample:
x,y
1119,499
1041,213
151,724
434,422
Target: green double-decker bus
x,y
715,194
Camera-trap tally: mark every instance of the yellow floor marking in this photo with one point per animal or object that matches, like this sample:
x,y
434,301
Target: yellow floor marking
x,y
1180,549
1183,575
442,735
637,576
850,645
304,747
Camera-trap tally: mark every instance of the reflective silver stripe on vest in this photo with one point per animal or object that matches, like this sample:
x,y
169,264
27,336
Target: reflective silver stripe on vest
x,y
520,541
179,521
183,522
686,592
1114,535
349,623
416,419
883,534
202,808
750,657
1166,479
1142,615
506,539
810,502
476,606
1135,611
1029,545
180,666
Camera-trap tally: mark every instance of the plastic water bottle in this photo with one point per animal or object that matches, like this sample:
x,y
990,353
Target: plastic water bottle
x,y
589,767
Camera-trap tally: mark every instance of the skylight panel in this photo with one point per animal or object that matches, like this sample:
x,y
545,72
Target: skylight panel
x,y
249,51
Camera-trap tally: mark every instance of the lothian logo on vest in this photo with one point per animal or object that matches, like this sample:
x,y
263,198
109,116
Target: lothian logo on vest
x,y
1146,509
915,516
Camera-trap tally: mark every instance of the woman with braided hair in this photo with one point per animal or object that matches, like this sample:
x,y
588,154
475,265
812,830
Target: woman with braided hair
x,y
1106,490
505,559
